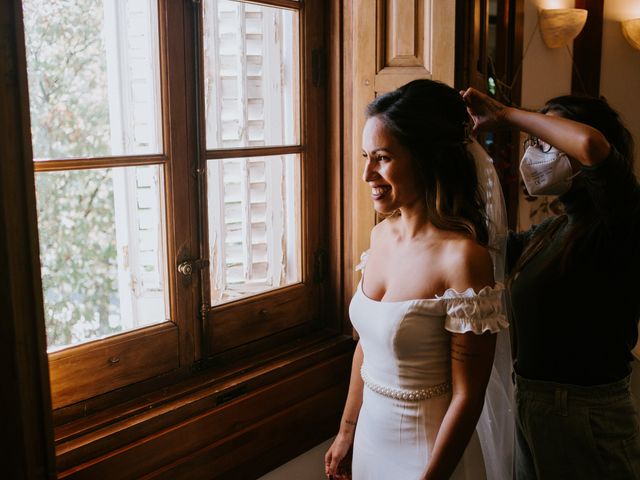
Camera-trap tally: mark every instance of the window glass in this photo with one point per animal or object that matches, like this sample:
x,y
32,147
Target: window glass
x,y
254,218
251,75
94,91
94,87
102,252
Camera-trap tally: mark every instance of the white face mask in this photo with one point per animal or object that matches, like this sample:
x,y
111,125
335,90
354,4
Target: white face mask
x,y
546,173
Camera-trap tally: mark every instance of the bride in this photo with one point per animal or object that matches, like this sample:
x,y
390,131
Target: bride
x,y
428,308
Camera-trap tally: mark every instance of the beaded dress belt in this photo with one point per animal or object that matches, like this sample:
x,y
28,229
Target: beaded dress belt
x,y
404,394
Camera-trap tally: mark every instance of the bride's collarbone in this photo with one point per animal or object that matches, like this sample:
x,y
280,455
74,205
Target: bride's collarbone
x,y
408,282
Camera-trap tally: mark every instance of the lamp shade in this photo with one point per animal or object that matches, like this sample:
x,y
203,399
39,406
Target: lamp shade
x,y
559,26
631,31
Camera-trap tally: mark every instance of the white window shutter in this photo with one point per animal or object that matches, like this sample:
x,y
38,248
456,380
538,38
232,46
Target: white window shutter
x,y
246,196
133,90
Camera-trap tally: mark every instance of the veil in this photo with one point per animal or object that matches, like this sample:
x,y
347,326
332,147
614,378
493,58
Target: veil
x,y
496,426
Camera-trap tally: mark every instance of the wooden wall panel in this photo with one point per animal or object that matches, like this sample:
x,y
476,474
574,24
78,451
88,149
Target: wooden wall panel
x,y
390,44
403,43
404,23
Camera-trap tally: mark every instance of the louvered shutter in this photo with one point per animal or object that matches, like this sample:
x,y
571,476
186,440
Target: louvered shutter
x,y
251,232
133,92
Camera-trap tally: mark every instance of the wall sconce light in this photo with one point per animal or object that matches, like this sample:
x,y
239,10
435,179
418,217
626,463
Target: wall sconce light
x,y
561,25
631,31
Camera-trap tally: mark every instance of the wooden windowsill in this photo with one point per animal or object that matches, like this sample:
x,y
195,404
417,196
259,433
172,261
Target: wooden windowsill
x,y
214,387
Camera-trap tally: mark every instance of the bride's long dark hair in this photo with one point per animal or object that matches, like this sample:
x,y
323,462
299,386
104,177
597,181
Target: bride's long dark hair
x,y
430,119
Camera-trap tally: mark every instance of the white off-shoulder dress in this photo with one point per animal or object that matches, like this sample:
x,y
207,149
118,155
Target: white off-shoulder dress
x,y
407,375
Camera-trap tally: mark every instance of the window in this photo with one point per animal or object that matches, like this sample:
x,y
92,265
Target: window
x,y
179,183
252,98
259,162
96,116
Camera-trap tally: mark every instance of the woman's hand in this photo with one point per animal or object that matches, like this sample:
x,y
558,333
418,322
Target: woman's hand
x,y
486,113
337,460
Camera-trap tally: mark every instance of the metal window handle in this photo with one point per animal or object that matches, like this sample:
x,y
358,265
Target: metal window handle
x,y
187,267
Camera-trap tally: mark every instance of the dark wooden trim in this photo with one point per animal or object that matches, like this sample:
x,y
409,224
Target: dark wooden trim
x,y
253,318
26,422
336,230
218,374
464,44
108,364
470,62
314,128
203,413
347,119
515,43
253,152
290,4
54,165
587,50
514,48
200,168
178,57
268,444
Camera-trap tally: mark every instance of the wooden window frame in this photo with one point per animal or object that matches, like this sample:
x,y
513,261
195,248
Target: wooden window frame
x,y
80,373
255,322
293,311
286,389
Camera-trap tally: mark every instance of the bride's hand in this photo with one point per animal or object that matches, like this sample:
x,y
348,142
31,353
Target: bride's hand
x,y
337,460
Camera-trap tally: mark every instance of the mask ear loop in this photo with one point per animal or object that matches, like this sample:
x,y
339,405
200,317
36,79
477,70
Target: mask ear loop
x,y
568,179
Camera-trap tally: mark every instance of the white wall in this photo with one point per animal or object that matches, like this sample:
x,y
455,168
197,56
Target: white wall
x,y
620,71
546,72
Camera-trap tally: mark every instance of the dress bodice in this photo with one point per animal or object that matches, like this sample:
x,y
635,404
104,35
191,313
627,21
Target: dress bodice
x,y
406,344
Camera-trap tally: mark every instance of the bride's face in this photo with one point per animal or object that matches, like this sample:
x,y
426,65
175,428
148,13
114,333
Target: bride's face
x,y
389,169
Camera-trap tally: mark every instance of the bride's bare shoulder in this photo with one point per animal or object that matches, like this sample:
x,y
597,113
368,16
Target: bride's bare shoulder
x,y
381,232
469,264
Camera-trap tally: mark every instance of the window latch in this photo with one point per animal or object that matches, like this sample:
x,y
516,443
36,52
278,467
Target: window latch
x,y
187,267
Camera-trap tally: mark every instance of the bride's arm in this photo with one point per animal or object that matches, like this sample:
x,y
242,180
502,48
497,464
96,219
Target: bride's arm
x,y
344,439
471,361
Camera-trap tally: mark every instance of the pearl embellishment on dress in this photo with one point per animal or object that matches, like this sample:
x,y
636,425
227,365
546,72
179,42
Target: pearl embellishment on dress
x,y
403,394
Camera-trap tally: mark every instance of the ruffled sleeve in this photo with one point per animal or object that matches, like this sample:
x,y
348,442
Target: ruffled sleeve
x,y
475,312
363,261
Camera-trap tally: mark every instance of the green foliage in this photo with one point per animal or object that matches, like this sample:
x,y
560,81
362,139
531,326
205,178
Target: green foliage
x,y
66,63
70,118
78,254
